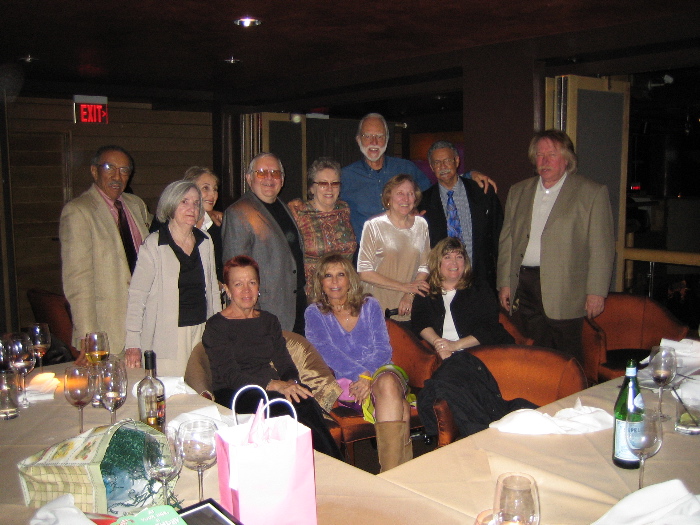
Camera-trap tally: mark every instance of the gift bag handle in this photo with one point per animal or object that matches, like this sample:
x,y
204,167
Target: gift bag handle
x,y
280,400
248,387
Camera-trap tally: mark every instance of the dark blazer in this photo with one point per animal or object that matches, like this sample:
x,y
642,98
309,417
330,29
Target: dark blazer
x,y
474,312
487,219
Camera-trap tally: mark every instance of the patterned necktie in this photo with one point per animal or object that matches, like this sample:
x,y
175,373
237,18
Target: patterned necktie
x,y
454,228
127,239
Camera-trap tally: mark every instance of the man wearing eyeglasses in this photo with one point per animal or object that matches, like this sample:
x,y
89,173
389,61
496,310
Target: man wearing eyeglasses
x,y
101,232
364,180
457,207
261,226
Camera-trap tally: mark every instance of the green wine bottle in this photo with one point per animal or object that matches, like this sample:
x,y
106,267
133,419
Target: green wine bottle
x,y
622,456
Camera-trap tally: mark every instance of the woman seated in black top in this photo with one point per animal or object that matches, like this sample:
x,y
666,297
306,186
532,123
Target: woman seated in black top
x,y
460,312
472,316
245,346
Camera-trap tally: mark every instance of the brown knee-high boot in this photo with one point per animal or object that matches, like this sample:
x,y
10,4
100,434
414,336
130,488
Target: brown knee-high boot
x,y
393,444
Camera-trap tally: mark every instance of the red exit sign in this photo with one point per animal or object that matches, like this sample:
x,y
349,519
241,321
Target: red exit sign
x,y
90,110
93,113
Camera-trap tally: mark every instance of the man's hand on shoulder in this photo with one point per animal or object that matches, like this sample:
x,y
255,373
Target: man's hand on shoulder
x,y
483,181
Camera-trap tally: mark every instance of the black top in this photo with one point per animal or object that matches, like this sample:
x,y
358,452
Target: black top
x,y
474,312
214,232
191,283
240,351
289,228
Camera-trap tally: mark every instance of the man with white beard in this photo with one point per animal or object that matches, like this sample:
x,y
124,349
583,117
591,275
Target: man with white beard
x,y
364,180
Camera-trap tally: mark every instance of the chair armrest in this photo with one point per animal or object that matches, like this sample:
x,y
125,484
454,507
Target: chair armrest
x,y
418,361
447,430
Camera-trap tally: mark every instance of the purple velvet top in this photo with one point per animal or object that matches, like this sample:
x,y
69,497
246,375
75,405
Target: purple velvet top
x,y
349,354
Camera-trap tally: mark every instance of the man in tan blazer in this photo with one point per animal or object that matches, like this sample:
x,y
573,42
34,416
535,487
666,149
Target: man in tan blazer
x,y
556,248
97,259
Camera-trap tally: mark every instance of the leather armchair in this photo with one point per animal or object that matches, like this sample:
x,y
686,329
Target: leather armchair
x,y
540,375
628,327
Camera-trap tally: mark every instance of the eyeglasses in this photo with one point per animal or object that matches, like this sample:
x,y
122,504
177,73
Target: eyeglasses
x,y
111,168
445,162
367,137
262,174
325,184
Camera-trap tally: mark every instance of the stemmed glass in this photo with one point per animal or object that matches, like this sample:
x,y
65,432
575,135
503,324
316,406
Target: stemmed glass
x,y
77,387
663,370
20,350
516,500
163,461
41,339
644,435
96,347
198,447
113,385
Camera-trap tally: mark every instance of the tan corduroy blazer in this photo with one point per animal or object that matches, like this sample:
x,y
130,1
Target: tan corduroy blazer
x,y
578,244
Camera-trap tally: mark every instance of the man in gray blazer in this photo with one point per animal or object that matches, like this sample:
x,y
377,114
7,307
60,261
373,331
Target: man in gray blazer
x,y
556,248
101,232
260,226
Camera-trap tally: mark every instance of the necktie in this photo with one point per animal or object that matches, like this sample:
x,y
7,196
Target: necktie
x,y
127,239
454,228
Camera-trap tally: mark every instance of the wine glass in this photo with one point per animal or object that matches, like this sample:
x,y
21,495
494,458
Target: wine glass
x,y
96,347
163,461
644,435
41,339
20,351
663,370
198,447
516,500
78,389
113,385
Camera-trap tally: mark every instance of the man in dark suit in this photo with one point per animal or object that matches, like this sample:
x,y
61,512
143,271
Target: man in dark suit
x,y
457,207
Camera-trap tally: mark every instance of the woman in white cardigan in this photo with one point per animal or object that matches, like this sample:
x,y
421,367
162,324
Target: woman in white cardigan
x,y
174,289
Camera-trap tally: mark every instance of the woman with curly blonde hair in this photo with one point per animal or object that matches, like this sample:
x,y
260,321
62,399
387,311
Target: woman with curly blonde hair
x,y
347,327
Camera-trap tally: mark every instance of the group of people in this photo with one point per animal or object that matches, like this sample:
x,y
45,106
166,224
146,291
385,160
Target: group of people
x,y
430,256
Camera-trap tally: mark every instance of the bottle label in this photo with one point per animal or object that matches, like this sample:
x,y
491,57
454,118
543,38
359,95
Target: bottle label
x,y
622,450
639,402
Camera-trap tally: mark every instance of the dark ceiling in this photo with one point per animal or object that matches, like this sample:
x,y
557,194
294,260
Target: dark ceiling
x,y
178,49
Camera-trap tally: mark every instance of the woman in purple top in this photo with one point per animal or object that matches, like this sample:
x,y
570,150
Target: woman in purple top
x,y
348,329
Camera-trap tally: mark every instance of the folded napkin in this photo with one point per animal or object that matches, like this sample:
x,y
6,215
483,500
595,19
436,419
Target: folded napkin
x,y
61,511
173,386
577,420
42,386
667,503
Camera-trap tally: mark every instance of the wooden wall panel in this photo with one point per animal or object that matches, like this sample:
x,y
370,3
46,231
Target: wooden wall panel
x,y
50,163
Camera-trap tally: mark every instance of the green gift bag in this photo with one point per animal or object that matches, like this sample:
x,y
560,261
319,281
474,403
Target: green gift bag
x,y
103,469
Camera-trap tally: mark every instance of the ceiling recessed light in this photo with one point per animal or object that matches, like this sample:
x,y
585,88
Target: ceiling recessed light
x,y
28,59
247,21
232,60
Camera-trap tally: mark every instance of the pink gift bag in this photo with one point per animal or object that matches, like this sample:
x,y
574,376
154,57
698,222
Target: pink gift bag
x,y
266,470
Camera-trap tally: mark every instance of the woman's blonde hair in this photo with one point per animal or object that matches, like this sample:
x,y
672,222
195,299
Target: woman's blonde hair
x,y
442,248
356,296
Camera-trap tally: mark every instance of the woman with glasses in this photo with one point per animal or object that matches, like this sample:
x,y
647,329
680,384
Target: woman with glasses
x,y
323,221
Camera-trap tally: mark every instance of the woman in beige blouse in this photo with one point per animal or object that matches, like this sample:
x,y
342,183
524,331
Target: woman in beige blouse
x,y
393,257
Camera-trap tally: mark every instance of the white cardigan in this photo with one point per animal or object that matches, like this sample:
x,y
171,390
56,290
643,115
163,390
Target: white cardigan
x,y
153,307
